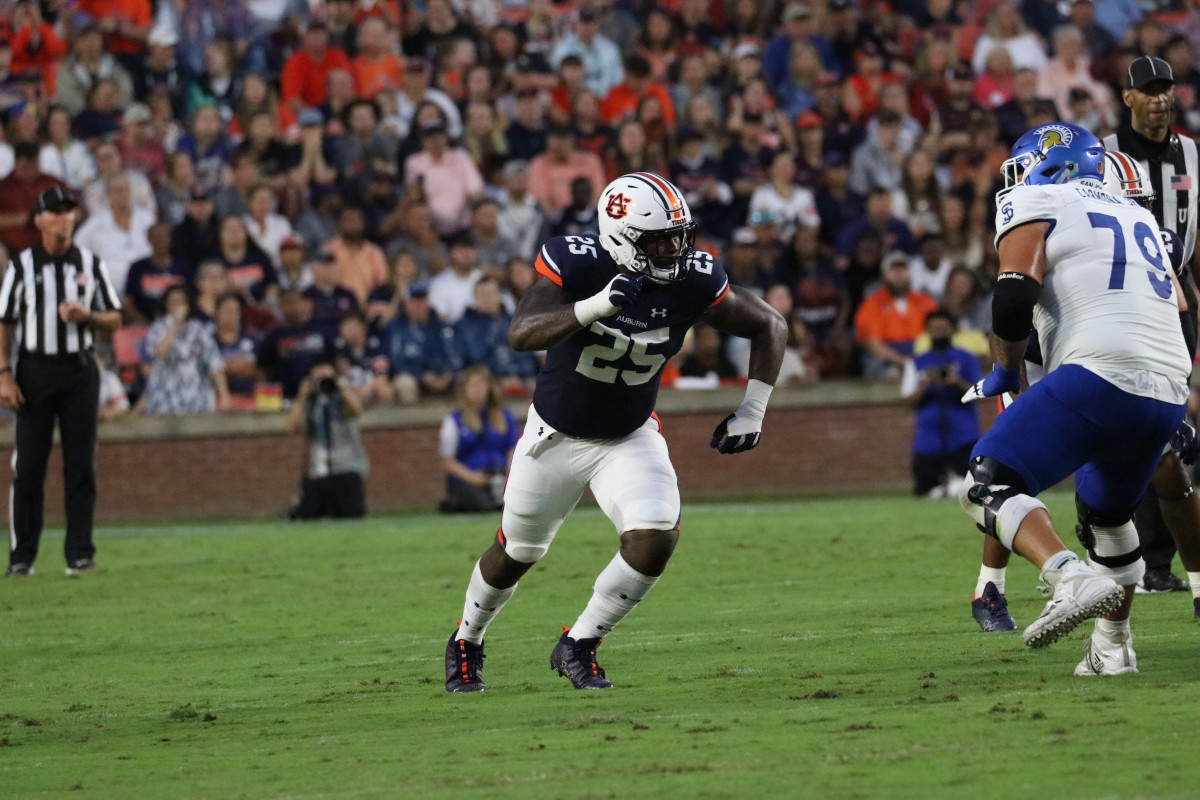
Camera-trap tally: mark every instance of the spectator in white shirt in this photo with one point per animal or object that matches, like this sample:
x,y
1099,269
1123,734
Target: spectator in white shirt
x,y
521,217
452,291
601,57
266,227
1004,27
791,204
117,234
64,156
109,165
930,267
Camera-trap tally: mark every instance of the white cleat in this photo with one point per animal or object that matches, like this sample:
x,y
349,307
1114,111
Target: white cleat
x,y
1081,594
1103,656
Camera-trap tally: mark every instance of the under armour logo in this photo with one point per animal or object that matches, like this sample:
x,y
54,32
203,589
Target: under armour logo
x,y
658,312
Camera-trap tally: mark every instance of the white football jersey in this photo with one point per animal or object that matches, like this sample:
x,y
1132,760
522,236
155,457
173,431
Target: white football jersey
x,y
1107,301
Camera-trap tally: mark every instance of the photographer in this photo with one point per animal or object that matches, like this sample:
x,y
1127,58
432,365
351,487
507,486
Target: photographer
x,y
945,429
327,410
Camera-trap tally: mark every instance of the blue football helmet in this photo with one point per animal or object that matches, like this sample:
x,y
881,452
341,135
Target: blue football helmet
x,y
1054,153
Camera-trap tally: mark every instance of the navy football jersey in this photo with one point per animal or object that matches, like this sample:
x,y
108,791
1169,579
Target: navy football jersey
x,y
602,381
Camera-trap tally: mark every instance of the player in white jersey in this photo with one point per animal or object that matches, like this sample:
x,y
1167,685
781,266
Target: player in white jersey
x,y
1123,177
1087,267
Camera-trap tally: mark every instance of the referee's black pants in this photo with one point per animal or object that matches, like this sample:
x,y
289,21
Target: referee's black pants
x,y
66,390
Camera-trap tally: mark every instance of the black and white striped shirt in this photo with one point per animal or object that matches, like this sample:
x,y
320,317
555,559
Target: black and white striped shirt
x,y
36,282
1173,167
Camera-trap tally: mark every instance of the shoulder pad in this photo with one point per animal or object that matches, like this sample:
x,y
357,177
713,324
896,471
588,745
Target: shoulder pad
x,y
1024,204
559,254
708,274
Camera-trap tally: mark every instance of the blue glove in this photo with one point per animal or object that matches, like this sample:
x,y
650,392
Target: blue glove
x,y
996,383
1185,444
623,290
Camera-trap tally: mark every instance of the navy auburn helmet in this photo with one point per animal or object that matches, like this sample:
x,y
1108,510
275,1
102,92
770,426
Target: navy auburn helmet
x,y
1055,153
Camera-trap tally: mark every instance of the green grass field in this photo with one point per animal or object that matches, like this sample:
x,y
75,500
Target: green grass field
x,y
805,648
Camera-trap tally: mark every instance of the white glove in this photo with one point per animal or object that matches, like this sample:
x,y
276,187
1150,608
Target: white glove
x,y
622,291
742,429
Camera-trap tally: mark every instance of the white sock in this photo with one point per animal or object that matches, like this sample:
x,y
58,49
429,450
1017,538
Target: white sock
x,y
1113,631
1194,582
989,575
1052,569
484,602
1059,560
617,590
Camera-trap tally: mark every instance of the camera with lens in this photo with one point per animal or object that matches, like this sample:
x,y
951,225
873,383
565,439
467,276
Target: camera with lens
x,y
327,385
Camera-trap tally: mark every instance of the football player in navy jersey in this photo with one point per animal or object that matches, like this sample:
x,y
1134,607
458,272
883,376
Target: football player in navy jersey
x,y
610,310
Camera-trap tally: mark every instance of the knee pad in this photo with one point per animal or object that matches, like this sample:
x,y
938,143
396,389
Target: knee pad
x,y
650,515
1111,541
525,553
994,497
1116,553
1089,520
515,545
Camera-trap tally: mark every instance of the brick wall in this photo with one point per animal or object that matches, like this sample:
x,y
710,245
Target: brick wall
x,y
813,449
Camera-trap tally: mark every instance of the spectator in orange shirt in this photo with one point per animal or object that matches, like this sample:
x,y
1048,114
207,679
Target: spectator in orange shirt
x,y
571,76
126,25
551,173
35,45
303,83
623,99
360,264
861,96
890,319
376,68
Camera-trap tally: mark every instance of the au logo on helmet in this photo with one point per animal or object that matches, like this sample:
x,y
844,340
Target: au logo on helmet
x,y
618,206
1055,136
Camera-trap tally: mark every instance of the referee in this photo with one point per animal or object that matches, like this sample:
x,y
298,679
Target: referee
x,y
1170,162
53,295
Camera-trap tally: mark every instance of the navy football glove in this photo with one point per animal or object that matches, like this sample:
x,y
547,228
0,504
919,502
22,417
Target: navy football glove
x,y
735,435
623,290
1184,443
996,383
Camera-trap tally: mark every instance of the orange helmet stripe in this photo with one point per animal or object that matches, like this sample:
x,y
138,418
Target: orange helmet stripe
x,y
1126,166
675,201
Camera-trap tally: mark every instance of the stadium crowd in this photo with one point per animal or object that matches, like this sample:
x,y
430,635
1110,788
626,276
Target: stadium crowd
x,y
369,181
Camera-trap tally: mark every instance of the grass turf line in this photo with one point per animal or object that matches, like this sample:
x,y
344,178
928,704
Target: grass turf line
x,y
811,648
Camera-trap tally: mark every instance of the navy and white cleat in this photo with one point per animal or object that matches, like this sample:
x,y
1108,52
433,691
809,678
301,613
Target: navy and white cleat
x,y
990,610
